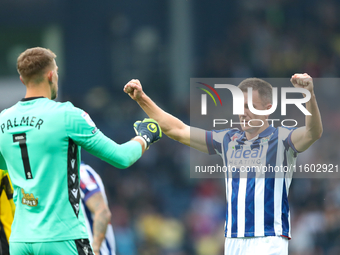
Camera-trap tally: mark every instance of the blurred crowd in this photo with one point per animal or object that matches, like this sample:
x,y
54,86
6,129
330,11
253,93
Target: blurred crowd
x,y
157,208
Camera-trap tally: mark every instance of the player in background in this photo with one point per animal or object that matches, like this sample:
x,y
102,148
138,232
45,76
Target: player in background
x,y
7,209
96,211
40,142
257,215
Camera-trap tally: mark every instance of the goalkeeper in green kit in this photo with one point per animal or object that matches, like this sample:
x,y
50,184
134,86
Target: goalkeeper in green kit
x,y
40,143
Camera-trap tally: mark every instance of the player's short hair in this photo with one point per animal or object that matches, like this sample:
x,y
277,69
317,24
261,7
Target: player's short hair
x,y
264,88
33,62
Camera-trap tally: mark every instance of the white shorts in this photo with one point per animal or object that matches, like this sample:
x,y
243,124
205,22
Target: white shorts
x,y
267,245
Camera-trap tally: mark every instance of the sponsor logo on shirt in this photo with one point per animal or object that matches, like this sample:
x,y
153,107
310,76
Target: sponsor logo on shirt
x,y
28,199
245,157
88,119
94,130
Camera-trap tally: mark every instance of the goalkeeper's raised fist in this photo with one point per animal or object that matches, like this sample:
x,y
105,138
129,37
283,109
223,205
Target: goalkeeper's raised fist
x,y
149,130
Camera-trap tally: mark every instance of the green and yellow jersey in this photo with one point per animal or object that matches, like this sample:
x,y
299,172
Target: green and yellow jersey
x,y
7,209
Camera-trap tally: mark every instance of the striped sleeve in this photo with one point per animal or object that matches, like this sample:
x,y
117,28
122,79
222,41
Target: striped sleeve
x,y
288,140
88,183
214,140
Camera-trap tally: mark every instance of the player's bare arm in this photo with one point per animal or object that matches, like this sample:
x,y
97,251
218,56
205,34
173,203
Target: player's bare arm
x,y
102,217
171,126
304,137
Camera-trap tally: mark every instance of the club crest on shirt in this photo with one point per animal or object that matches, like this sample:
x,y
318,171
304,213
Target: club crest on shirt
x,y
235,136
265,139
28,199
88,119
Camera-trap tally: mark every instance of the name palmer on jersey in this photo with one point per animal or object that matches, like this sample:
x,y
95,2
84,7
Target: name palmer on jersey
x,y
24,121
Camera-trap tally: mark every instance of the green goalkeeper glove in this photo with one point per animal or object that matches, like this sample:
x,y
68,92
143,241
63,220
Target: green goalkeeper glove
x,y
149,130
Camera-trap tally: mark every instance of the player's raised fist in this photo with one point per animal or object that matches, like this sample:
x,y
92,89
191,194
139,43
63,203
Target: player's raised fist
x,y
149,130
134,89
302,80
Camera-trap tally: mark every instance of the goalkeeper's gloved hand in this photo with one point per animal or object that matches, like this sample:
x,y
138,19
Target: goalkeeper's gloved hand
x,y
149,130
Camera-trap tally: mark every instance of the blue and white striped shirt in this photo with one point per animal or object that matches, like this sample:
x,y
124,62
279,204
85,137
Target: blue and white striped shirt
x,y
91,183
257,205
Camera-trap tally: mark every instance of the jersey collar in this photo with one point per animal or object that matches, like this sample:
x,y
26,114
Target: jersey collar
x,y
30,98
267,132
